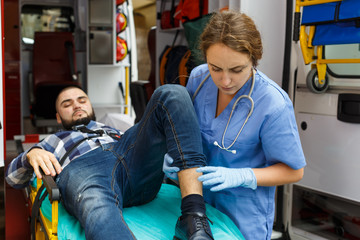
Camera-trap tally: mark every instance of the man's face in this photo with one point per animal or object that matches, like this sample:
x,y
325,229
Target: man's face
x,y
73,108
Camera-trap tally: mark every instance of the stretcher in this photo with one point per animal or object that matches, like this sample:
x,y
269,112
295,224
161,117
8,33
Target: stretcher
x,y
154,220
325,22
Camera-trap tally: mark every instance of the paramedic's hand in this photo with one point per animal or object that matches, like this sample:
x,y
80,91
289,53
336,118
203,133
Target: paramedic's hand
x,y
227,178
38,157
170,172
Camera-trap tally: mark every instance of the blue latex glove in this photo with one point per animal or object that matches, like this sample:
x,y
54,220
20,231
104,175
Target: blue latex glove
x,y
227,178
170,172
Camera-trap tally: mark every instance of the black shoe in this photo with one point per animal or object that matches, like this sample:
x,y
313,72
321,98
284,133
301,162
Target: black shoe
x,y
193,226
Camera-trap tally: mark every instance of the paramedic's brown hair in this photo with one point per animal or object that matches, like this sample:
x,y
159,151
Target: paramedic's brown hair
x,y
236,30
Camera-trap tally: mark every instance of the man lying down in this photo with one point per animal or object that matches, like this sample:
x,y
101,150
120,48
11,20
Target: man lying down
x,y
117,170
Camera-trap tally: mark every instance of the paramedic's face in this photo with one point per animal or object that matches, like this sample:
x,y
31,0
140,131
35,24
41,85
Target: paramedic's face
x,y
73,107
229,69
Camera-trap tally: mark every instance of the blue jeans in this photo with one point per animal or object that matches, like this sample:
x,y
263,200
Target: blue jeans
x,y
96,186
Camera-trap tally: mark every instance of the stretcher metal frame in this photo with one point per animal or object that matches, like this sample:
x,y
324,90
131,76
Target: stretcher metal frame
x,y
319,68
41,227
44,228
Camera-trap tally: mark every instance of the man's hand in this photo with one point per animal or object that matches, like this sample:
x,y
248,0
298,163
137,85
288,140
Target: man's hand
x,y
47,161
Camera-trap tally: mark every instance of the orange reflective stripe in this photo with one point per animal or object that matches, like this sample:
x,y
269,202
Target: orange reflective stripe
x,y
163,65
183,70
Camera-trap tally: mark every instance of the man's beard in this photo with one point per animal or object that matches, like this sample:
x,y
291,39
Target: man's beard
x,y
85,120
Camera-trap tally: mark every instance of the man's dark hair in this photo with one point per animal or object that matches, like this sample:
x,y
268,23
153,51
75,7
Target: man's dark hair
x,y
64,89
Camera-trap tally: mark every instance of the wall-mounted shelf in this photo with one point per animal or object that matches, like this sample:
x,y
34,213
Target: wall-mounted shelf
x,y
113,90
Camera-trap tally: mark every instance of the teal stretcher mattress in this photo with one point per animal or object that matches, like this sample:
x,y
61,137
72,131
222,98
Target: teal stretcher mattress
x,y
155,220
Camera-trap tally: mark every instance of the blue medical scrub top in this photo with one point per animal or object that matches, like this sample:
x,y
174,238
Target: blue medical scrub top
x,y
270,136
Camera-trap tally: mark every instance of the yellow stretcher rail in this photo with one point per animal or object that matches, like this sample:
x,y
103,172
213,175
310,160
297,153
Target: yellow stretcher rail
x,y
302,3
127,90
50,227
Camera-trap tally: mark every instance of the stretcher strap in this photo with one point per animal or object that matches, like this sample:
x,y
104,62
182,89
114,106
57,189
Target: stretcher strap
x,y
82,128
39,198
62,160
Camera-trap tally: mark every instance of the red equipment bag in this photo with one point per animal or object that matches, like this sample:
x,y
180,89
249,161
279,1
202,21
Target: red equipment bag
x,y
167,19
191,9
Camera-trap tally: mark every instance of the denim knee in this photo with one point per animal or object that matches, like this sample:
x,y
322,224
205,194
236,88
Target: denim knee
x,y
174,91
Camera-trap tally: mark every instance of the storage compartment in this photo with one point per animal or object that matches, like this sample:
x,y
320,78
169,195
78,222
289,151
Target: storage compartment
x,y
101,46
101,12
326,202
324,215
332,152
101,31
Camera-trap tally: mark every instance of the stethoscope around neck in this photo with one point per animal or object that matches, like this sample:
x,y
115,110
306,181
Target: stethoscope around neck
x,y
222,146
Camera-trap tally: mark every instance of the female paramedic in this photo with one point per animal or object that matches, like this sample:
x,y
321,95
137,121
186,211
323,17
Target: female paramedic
x,y
247,122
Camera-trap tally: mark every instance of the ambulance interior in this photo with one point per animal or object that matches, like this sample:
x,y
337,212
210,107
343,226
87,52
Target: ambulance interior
x,y
119,65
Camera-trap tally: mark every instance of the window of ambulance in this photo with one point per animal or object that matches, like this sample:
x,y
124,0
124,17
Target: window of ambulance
x,y
345,51
38,18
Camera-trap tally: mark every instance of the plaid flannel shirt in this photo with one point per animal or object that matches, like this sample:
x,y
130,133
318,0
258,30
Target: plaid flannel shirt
x,y
20,172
